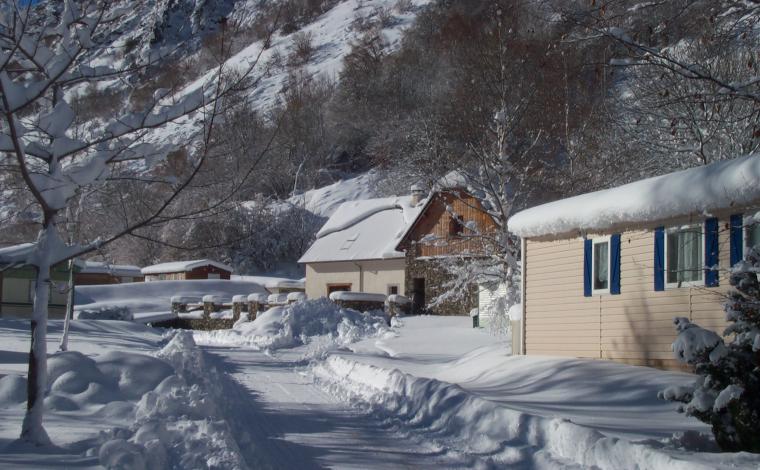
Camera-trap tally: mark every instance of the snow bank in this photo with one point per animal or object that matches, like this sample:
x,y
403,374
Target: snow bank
x,y
156,297
176,422
507,436
720,185
317,321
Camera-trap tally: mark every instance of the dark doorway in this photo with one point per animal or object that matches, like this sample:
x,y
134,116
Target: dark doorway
x,y
418,295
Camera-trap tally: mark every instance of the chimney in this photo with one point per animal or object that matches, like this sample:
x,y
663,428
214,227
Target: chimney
x,y
418,193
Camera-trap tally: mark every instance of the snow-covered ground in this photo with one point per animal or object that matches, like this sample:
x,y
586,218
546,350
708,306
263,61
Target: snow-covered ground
x,y
311,386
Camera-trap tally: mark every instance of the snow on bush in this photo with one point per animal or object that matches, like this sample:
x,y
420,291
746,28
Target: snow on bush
x,y
726,394
176,422
310,321
454,419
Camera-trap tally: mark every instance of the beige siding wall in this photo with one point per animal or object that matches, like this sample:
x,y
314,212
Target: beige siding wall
x,y
636,326
364,276
17,290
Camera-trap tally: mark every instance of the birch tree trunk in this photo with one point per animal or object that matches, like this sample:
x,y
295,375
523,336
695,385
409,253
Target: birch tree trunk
x,y
64,346
32,430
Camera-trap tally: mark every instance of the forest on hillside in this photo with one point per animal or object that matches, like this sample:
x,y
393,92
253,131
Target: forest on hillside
x,y
532,100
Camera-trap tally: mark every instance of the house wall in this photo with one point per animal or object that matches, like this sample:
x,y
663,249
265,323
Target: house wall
x,y
436,277
487,298
204,272
197,273
15,299
433,225
377,276
635,327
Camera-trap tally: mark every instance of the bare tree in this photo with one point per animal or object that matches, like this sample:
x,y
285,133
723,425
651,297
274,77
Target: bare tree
x,y
42,59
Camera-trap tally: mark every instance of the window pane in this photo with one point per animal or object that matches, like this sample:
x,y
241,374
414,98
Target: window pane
x,y
673,257
601,265
685,255
753,235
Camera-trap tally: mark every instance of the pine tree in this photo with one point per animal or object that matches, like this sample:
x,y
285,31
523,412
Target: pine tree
x,y
726,394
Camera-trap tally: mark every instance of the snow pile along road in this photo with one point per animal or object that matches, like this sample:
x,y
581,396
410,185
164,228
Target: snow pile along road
x,y
462,422
319,323
177,422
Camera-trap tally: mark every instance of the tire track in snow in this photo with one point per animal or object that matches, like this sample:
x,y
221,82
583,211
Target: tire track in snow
x,y
283,420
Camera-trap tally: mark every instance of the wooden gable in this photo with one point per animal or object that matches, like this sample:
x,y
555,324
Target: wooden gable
x,y
437,233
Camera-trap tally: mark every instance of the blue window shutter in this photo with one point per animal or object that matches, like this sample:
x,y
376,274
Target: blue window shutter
x,y
711,252
587,268
659,258
737,238
615,264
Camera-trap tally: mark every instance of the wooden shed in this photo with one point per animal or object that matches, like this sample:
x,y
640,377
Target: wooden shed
x,y
605,273
96,272
17,283
187,270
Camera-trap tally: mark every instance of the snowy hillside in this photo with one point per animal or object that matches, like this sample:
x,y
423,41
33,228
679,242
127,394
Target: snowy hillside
x,y
177,28
325,200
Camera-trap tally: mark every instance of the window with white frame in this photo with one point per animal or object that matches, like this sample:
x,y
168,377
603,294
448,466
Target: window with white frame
x,y
600,262
684,256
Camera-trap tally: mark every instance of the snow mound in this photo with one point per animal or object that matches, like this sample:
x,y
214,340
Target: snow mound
x,y
76,381
176,422
508,437
720,185
12,390
317,321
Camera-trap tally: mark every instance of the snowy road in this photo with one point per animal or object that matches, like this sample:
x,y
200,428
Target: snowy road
x,y
286,421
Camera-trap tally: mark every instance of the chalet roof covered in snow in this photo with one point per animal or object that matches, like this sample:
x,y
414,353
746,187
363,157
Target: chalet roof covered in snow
x,y
98,267
720,185
363,230
183,266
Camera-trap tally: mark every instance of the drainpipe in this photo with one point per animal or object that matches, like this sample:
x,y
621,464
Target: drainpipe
x,y
361,276
523,297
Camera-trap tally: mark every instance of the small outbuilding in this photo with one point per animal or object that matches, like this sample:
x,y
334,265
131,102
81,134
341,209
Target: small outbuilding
x,y
17,284
605,273
97,272
187,270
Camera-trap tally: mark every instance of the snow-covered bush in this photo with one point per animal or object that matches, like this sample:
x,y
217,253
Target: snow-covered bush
x,y
726,394
105,313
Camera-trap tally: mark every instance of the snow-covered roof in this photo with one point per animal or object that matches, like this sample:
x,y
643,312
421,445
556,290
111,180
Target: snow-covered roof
x,y
347,296
363,230
183,266
717,186
98,267
16,254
